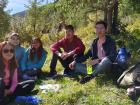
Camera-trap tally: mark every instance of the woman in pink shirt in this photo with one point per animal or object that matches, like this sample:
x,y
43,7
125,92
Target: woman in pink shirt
x,y
9,86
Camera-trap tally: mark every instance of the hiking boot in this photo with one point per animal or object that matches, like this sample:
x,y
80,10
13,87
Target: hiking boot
x,y
86,79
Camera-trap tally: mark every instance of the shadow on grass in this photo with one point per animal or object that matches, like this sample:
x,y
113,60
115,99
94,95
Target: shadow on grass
x,y
103,79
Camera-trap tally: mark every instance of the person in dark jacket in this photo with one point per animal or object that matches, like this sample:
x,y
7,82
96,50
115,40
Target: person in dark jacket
x,y
72,45
102,53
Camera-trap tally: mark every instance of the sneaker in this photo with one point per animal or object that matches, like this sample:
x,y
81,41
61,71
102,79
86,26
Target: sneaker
x,y
86,79
52,74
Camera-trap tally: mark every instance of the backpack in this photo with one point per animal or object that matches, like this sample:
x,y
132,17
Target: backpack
x,y
122,58
130,76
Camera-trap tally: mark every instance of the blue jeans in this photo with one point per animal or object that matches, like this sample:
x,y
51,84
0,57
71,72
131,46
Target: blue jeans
x,y
104,65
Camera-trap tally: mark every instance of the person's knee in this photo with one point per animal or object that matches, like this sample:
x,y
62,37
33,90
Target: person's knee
x,y
106,60
104,65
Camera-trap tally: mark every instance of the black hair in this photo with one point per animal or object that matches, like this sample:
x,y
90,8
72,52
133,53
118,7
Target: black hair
x,y
39,50
69,27
102,22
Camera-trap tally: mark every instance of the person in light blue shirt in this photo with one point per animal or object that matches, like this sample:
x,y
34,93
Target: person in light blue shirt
x,y
34,59
14,39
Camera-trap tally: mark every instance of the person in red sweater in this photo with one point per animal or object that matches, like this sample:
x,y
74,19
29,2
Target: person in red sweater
x,y
71,45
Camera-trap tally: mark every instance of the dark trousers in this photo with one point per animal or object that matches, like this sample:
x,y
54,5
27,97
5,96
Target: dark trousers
x,y
1,89
31,73
65,63
22,89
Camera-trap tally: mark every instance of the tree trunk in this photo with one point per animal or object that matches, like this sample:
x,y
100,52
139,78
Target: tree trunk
x,y
105,12
109,21
105,16
115,18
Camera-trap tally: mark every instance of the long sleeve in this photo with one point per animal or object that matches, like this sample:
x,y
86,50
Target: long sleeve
x,y
40,62
113,51
22,52
80,47
75,45
24,61
84,57
54,47
14,81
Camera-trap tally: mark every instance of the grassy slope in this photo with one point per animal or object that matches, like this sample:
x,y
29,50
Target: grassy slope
x,y
99,91
96,92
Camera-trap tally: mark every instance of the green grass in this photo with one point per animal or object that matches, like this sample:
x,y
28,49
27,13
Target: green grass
x,y
92,93
99,91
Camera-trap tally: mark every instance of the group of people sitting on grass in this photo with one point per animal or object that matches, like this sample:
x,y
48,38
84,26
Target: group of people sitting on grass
x,y
20,68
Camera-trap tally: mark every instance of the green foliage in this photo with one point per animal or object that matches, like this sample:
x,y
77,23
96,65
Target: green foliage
x,y
135,28
73,93
129,35
87,34
33,17
128,7
4,19
3,4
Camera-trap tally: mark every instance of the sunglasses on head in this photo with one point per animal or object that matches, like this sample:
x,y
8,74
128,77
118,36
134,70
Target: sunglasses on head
x,y
8,50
